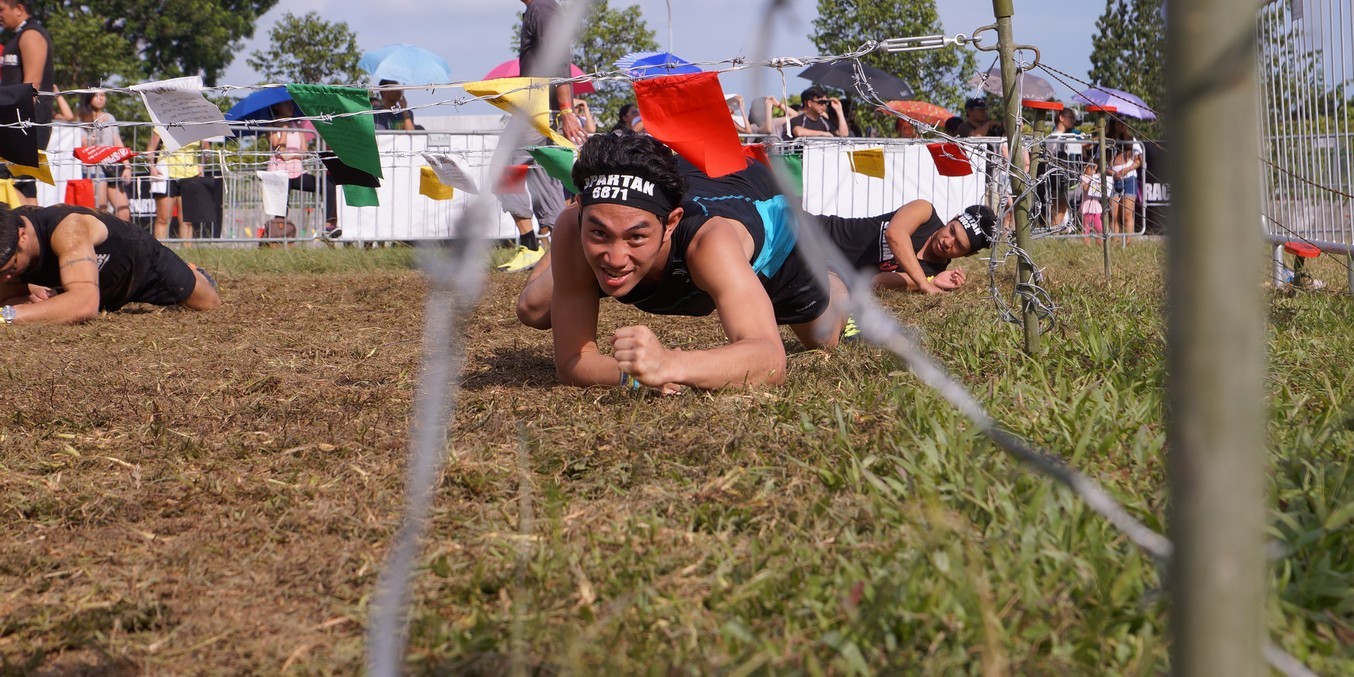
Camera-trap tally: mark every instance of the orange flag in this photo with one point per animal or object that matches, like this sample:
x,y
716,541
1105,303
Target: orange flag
x,y
688,113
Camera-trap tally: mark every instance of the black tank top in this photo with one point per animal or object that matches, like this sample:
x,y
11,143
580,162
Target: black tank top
x,y
12,73
750,198
887,261
126,259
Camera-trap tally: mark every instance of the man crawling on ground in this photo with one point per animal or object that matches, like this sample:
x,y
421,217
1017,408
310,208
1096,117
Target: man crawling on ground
x,y
652,231
96,261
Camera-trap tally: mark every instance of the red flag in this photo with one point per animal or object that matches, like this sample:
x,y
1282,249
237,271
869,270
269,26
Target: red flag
x,y
80,192
103,155
757,151
688,113
950,159
514,180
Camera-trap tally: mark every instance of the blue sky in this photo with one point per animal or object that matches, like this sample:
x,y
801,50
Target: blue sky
x,y
473,35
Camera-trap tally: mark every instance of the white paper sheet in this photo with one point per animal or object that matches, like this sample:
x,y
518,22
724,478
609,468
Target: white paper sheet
x,y
453,170
275,192
180,100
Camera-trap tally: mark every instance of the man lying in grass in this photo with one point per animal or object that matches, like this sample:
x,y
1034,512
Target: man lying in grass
x,y
653,232
912,248
99,261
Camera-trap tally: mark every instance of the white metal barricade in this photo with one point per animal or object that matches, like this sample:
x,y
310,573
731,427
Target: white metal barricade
x,y
832,186
406,214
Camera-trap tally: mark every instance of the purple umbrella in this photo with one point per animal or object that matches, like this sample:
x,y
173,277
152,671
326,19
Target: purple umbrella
x,y
1124,103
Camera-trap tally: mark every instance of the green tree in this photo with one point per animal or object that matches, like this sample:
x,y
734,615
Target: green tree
x,y
135,40
936,75
311,50
606,35
1128,52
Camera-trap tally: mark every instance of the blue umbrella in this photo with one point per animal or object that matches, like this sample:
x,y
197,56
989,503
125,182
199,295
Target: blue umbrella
x,y
258,106
1125,104
653,64
406,64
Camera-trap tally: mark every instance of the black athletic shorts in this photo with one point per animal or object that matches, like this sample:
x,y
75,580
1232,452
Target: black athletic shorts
x,y
168,281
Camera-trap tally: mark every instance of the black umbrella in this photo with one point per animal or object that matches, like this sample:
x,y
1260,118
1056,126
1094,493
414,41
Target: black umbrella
x,y
851,76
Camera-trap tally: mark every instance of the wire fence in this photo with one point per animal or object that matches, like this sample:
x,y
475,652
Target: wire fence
x,y
1302,186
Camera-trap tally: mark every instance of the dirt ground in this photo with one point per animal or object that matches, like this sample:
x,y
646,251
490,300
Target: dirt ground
x,y
187,493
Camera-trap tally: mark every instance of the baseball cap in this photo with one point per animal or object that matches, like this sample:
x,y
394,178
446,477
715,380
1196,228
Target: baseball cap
x,y
975,102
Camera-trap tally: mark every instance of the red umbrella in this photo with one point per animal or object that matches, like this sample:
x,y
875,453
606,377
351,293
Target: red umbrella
x,y
922,111
511,69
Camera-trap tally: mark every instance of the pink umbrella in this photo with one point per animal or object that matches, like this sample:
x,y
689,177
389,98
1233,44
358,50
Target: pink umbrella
x,y
511,69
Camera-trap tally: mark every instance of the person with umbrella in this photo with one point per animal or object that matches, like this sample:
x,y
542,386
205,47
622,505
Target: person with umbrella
x,y
815,120
290,142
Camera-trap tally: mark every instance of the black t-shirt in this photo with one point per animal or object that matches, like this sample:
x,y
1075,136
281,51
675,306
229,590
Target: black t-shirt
x,y
750,198
535,21
12,73
803,121
129,260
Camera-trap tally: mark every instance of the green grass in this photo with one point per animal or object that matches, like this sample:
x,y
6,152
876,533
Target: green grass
x,y
853,523
849,522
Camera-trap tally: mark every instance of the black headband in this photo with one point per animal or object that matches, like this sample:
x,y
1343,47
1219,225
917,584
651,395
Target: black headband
x,y
625,189
7,249
977,237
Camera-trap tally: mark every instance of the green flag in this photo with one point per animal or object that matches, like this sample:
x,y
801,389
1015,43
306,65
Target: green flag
x,y
360,196
557,162
791,165
353,137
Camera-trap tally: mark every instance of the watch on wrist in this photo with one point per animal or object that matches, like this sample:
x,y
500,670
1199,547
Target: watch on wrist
x,y
7,314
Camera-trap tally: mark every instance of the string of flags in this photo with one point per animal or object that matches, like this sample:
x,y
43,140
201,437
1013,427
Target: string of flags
x,y
686,112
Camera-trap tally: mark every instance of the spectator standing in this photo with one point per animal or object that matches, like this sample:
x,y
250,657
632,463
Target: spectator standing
x,y
99,129
1126,158
1091,209
392,109
626,119
27,58
976,122
1061,153
585,116
166,170
763,119
291,141
814,118
544,198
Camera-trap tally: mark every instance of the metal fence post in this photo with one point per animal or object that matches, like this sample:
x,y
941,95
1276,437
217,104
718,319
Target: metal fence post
x,y
1003,10
1102,165
1216,356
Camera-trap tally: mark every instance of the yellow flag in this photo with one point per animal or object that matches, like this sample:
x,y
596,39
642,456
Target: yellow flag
x,y
526,96
430,185
9,194
42,172
868,162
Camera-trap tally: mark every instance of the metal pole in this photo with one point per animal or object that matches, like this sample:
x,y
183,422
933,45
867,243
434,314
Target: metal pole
x,y
1003,10
1036,166
1216,349
1104,194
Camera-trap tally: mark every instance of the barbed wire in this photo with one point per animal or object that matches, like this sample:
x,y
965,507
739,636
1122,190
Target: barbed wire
x,y
458,280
